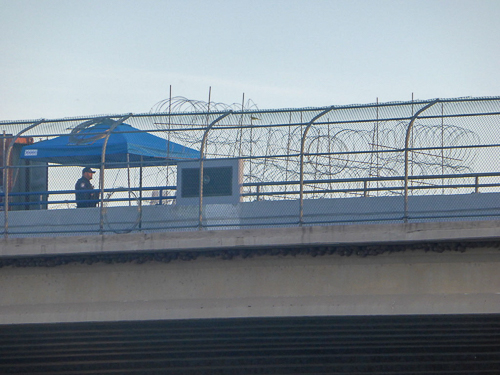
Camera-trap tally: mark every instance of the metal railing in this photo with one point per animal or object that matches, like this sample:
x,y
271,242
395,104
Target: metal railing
x,y
469,183
401,149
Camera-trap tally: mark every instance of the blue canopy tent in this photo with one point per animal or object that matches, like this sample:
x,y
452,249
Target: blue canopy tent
x,y
126,147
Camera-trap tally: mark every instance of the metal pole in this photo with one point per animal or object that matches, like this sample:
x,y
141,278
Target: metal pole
x,y
128,179
4,178
302,146
4,152
140,195
407,142
202,155
101,171
6,174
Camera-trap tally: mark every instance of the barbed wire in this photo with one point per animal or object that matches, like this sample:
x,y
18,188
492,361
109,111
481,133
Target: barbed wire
x,y
358,141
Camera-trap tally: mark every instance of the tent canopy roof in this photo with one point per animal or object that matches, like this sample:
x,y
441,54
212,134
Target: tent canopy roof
x,y
127,146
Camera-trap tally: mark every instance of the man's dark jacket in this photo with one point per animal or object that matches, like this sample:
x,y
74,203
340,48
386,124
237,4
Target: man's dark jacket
x,y
85,198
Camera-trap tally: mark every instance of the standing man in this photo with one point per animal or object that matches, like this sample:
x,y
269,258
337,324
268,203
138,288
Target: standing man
x,y
84,196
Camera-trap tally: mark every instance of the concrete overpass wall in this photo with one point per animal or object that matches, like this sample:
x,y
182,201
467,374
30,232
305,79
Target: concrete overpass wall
x,y
391,283
341,211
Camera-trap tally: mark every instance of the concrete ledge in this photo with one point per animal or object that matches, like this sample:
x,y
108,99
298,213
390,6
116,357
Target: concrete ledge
x,y
255,238
391,284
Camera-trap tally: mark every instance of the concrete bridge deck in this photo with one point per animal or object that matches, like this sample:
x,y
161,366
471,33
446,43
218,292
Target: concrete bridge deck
x,y
420,268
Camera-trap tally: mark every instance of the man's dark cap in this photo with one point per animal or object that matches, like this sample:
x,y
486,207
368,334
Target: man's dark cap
x,y
87,169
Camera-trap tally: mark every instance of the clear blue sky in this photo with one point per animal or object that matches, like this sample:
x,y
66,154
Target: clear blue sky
x,y
81,57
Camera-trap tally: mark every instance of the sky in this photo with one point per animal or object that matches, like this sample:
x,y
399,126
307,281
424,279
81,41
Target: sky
x,y
65,58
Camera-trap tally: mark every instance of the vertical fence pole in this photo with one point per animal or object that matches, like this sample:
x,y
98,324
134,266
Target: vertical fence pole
x,y
302,147
140,193
101,172
202,156
4,166
407,142
6,174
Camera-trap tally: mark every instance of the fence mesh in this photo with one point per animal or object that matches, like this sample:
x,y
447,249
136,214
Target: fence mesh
x,y
288,158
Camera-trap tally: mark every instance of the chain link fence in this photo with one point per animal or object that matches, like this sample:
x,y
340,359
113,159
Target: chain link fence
x,y
192,165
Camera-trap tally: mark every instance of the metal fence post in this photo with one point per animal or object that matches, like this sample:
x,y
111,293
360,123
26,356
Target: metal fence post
x,y
6,174
407,142
302,145
101,172
202,155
